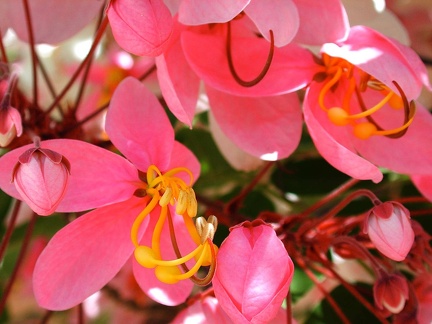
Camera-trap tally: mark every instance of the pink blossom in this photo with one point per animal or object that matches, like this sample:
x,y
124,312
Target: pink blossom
x,y
193,55
253,274
389,228
391,292
83,256
41,177
362,102
140,27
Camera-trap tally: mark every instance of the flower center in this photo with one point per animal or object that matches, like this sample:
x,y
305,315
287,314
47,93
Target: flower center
x,y
338,71
168,189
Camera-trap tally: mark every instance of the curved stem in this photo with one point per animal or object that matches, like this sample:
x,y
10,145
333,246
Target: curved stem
x,y
232,69
32,51
335,210
98,37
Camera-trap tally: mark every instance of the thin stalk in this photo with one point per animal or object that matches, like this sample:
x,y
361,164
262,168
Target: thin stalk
x,y
32,51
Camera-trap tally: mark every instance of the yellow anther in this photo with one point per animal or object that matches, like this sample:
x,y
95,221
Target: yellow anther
x,y
145,256
192,206
166,197
396,102
168,275
206,228
182,202
338,116
364,130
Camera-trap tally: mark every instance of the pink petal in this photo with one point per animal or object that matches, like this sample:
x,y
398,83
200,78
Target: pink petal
x,y
140,27
166,294
206,54
280,16
200,12
263,274
138,126
183,157
178,83
321,21
410,154
270,127
52,21
237,158
334,143
383,58
424,184
83,256
97,178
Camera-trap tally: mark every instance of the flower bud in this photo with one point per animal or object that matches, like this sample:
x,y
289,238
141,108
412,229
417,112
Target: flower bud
x,y
253,273
389,228
391,292
41,177
10,125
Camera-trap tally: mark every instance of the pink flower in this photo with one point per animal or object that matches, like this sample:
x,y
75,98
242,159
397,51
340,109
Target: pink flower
x,y
136,207
41,177
389,228
362,103
140,27
205,310
253,274
391,292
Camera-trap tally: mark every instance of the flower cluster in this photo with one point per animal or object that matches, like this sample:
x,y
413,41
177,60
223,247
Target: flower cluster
x,y
174,153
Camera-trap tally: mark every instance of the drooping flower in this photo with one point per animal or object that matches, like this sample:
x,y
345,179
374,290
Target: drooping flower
x,y
41,177
253,274
137,203
361,103
391,292
389,228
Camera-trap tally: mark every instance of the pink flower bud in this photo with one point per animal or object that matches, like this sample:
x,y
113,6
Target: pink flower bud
x,y
389,228
41,177
391,292
10,125
253,273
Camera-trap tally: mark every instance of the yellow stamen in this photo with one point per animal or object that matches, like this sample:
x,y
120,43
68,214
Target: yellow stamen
x,y
364,126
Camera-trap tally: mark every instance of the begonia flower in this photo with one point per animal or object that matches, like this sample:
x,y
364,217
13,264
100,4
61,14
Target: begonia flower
x,y
391,292
140,27
41,177
389,228
362,102
253,274
52,21
140,203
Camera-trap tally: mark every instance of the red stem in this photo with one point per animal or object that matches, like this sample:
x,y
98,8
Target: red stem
x,y
32,51
98,37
